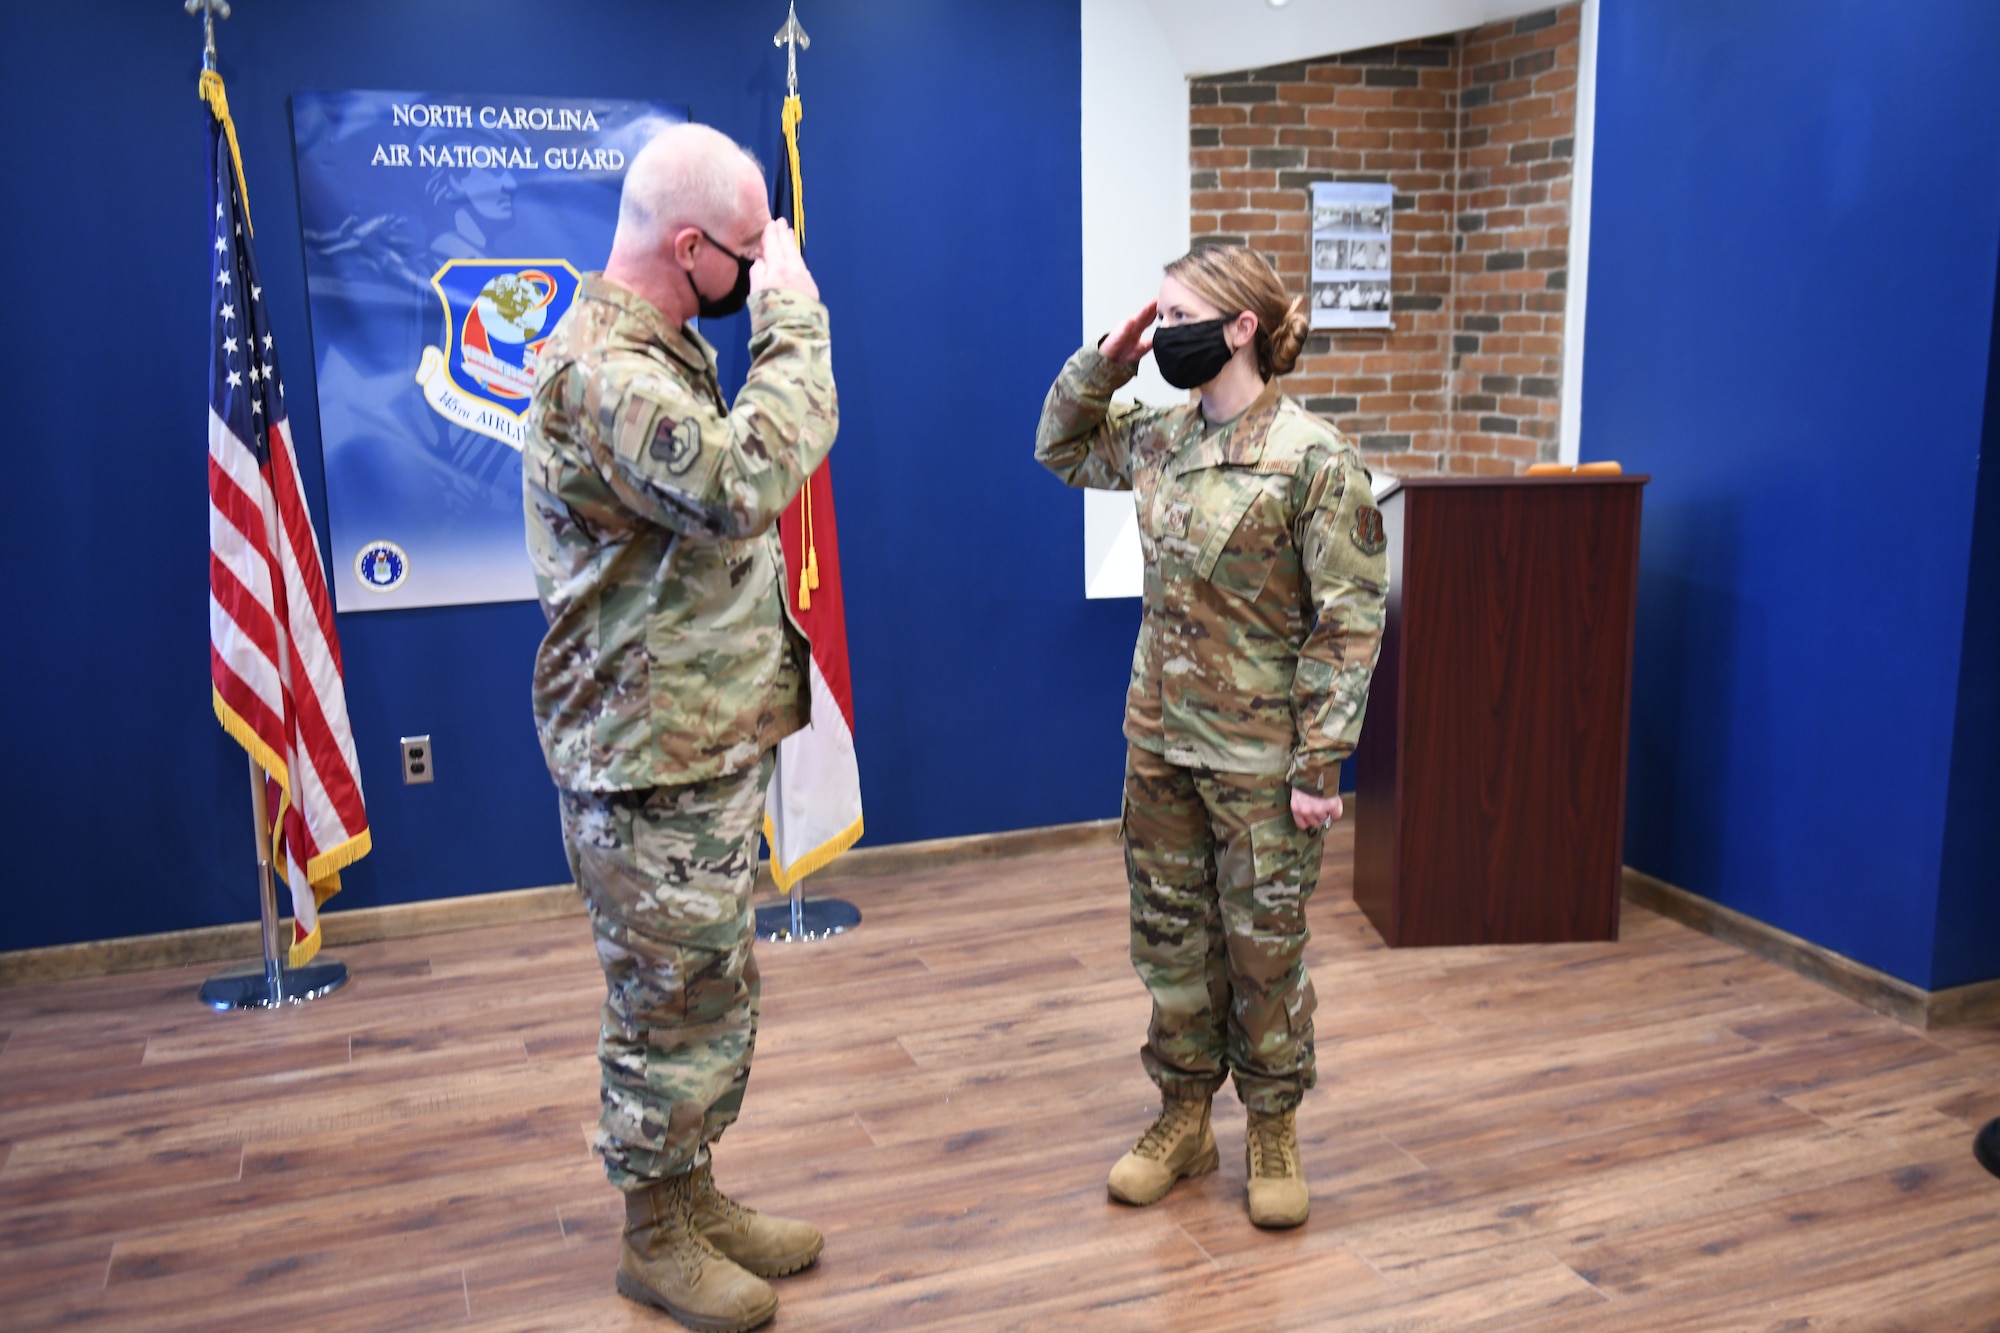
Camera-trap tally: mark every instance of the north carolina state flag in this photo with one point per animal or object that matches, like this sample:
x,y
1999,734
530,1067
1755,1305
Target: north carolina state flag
x,y
812,812
813,808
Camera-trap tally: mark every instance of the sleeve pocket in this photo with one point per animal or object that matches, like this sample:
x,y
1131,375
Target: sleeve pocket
x,y
633,424
665,446
1351,541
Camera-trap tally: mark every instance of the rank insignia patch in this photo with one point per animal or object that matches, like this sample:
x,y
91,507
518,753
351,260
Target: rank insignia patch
x,y
677,444
1367,532
1174,520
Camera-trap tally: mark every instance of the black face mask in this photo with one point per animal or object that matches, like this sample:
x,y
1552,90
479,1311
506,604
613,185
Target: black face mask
x,y
738,296
1190,355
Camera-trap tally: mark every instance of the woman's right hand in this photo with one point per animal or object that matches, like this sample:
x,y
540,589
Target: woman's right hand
x,y
1129,341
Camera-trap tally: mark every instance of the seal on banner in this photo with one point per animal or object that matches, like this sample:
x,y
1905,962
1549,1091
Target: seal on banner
x,y
381,566
497,315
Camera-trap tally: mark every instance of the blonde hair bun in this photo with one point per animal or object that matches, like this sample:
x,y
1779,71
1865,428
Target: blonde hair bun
x,y
1288,339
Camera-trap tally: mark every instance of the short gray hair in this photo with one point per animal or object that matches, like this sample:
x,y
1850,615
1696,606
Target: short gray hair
x,y
685,176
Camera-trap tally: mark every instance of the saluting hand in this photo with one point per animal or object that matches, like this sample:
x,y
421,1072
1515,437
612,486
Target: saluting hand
x,y
1311,812
1131,341
782,267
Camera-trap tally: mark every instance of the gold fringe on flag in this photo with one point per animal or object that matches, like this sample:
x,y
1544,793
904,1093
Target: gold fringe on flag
x,y
322,871
812,862
211,91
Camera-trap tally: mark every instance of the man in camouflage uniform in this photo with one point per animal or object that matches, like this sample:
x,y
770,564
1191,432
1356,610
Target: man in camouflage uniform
x,y
1265,577
670,671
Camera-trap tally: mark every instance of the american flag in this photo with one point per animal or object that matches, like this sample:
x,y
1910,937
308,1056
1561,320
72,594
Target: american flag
x,y
274,657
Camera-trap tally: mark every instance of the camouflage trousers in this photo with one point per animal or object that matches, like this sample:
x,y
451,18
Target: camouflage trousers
x,y
667,874
1220,876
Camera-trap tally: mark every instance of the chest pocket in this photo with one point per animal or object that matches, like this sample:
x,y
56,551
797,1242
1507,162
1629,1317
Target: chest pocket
x,y
1242,529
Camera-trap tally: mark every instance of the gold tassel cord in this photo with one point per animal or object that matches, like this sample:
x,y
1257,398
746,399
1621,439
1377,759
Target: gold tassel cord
x,y
809,573
812,540
212,92
795,112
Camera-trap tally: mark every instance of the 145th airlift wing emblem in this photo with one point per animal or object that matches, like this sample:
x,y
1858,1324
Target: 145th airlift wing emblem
x,y
1370,537
497,315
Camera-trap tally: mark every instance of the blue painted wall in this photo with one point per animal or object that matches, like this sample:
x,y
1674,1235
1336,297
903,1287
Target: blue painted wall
x,y
1794,221
942,186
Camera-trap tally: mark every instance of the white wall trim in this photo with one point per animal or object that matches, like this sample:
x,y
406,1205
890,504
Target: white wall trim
x,y
1136,220
1570,439
1220,36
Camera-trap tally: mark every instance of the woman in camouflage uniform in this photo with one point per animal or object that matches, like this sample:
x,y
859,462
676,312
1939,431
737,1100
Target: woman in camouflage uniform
x,y
1265,577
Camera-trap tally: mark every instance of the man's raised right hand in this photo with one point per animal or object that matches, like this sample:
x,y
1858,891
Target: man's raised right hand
x,y
782,267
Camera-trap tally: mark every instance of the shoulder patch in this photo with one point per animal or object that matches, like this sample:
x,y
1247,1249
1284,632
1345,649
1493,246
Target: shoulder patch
x,y
1367,534
676,444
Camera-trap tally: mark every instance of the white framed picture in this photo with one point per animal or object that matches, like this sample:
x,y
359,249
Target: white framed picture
x,y
1353,247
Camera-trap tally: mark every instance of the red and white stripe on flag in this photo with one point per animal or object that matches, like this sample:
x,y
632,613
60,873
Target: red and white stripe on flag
x,y
813,807
274,658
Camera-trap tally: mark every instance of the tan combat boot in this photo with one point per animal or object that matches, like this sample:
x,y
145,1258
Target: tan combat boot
x,y
1275,1182
1179,1146
767,1246
666,1263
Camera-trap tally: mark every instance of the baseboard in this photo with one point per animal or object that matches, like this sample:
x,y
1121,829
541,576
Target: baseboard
x,y
239,941
1952,1007
902,858
361,925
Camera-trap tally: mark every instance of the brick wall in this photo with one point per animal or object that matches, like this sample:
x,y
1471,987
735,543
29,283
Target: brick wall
x,y
1474,131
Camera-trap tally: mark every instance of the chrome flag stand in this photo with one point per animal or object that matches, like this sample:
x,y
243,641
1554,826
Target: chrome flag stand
x,y
272,983
801,919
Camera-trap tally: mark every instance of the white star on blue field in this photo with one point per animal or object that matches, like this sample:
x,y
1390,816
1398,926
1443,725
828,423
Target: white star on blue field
x,y
244,388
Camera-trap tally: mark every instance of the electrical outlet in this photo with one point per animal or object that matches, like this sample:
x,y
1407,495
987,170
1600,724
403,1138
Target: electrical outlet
x,y
416,760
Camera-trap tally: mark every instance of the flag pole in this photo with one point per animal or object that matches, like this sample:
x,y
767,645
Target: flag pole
x,y
267,893
208,9
268,983
799,918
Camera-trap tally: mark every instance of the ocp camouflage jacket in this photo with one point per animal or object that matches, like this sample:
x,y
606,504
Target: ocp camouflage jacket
x,y
1266,573
652,512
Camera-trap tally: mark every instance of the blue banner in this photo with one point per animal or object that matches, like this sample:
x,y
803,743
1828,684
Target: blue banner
x,y
444,236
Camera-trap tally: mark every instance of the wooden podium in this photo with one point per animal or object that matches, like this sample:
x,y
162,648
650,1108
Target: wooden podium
x,y
1491,769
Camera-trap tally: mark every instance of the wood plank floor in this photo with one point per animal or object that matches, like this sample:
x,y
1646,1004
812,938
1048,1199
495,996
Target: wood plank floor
x,y
1659,1134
